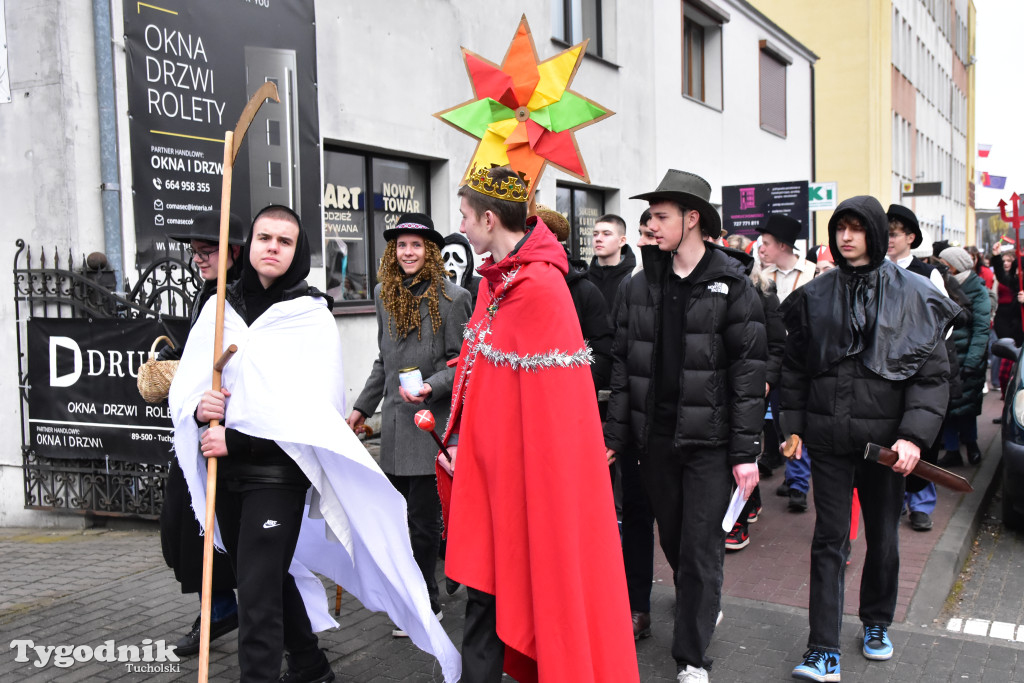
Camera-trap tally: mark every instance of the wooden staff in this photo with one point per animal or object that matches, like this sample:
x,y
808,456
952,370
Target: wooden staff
x,y
232,141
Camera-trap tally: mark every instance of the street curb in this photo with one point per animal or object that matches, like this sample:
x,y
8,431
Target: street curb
x,y
947,559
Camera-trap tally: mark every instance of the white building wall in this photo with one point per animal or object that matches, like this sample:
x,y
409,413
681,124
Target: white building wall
x,y
383,69
49,184
728,147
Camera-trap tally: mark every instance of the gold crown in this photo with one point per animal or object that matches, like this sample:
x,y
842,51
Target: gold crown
x,y
511,189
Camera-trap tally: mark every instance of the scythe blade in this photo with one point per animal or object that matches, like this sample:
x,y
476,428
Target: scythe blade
x,y
267,91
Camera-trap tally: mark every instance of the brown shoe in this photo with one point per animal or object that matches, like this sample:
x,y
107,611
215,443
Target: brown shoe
x,y
641,625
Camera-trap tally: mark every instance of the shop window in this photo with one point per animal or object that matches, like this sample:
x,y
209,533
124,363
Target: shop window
x,y
702,51
582,207
773,63
364,194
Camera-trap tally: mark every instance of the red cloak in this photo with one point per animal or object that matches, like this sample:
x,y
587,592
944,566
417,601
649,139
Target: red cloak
x,y
531,518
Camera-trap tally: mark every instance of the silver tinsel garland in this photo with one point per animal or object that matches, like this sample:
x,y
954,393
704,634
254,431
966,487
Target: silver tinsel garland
x,y
537,361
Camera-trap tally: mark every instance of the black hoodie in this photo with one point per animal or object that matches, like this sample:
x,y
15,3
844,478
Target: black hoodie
x,y
607,278
251,299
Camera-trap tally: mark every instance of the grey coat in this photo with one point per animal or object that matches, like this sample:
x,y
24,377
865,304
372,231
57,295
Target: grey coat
x,y
405,449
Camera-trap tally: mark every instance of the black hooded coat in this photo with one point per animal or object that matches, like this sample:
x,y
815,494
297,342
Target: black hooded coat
x,y
864,360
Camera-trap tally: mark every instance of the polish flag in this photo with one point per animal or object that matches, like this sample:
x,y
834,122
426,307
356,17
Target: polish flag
x,y
983,150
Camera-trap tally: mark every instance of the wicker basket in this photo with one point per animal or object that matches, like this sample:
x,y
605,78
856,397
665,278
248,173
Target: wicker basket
x,y
155,376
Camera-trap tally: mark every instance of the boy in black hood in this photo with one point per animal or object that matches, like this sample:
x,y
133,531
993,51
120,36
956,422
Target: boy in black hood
x,y
864,362
258,480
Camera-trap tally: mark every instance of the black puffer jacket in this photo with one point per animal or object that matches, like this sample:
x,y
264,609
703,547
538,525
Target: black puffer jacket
x,y
846,328
593,314
721,385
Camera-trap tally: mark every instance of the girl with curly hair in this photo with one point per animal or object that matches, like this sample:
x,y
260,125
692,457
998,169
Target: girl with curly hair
x,y
420,318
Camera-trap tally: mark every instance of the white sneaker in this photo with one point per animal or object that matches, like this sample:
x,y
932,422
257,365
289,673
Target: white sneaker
x,y
399,633
692,674
720,617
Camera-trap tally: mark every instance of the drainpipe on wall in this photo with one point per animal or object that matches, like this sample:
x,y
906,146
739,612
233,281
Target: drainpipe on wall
x,y
110,188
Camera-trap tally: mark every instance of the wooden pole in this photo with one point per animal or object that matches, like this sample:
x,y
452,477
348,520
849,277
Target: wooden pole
x,y
211,463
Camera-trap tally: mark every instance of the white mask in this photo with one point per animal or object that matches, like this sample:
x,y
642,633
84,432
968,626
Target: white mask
x,y
456,261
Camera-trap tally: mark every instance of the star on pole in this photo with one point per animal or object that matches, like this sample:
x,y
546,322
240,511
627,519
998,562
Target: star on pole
x,y
523,112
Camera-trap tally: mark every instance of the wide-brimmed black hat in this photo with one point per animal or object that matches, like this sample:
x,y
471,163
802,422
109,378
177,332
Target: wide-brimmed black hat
x,y
785,229
415,224
691,191
206,227
909,220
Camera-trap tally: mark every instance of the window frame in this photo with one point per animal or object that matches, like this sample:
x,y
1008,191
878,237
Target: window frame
x,y
368,157
596,46
711,19
690,29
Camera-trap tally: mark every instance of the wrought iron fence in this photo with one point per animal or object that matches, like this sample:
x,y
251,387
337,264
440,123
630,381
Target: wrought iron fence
x,y
47,286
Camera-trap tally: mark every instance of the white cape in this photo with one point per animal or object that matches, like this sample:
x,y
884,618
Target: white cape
x,y
286,384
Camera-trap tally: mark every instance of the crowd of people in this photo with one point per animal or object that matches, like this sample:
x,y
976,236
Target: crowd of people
x,y
692,368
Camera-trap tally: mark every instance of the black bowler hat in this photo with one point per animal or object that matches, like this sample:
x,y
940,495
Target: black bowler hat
x,y
693,192
909,220
785,229
206,228
415,224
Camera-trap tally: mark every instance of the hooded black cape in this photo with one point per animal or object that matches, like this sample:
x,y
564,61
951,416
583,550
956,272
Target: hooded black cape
x,y
888,318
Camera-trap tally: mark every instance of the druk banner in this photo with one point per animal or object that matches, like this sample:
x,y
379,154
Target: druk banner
x,y
83,398
745,207
192,66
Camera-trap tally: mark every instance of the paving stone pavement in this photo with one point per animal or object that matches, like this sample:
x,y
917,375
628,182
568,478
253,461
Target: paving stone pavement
x,y
87,587
990,589
111,594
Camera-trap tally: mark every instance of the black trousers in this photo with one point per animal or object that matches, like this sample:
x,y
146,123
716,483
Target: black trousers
x,y
182,541
260,528
689,491
483,653
424,507
881,499
637,534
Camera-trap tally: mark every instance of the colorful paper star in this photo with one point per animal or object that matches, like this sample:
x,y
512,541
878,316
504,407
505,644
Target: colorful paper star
x,y
523,112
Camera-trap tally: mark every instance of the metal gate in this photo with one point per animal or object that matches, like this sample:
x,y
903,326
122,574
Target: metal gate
x,y
50,288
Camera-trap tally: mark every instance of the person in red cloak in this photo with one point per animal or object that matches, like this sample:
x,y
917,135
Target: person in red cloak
x,y
529,517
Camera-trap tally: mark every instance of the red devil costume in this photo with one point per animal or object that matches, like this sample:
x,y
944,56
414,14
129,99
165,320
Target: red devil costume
x,y
530,518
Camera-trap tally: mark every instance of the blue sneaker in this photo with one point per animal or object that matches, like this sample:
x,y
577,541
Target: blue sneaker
x,y
818,666
877,645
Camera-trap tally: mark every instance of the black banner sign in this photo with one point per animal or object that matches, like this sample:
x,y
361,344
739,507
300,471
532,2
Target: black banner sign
x,y
192,66
83,401
745,207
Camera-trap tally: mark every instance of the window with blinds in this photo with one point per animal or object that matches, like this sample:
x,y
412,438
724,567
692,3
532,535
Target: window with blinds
x,y
773,94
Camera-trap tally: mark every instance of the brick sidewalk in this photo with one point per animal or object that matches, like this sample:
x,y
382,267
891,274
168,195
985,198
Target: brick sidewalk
x,y
83,588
